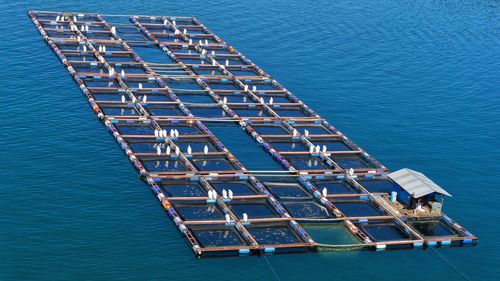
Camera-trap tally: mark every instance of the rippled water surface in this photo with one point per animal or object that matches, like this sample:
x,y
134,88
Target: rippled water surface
x,y
416,83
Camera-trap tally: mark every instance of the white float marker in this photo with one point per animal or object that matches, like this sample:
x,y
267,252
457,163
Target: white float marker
x,y
100,48
111,72
294,132
184,31
122,73
325,191
86,28
74,19
113,30
168,150
157,133
57,19
227,62
172,133
206,41
271,101
351,171
230,194
104,48
177,151
173,22
324,149
165,22
261,100
82,28
189,150
190,41
306,132
133,99
245,217
224,193
318,148
311,149
205,149
224,101
84,48
158,150
228,218
254,88
245,88
123,99
144,99
140,86
164,133
176,133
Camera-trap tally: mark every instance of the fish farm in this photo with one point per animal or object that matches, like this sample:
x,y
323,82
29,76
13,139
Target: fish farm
x,y
159,83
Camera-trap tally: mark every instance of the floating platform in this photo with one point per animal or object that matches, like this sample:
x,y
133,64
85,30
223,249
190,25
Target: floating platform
x,y
157,81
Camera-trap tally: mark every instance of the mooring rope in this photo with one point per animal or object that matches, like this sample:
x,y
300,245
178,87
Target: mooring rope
x,y
452,265
272,268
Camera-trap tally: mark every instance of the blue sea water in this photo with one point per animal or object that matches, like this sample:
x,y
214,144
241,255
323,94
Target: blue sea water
x,y
413,82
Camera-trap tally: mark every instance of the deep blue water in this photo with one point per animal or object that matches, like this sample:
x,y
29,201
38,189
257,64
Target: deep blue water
x,y
413,82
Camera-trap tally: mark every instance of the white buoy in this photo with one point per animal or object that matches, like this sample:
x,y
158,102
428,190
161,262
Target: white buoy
x,y
324,149
190,41
209,194
168,150
214,192
311,149
254,88
324,191
57,18
230,194
165,22
245,217
156,133
224,193
205,149
271,101
86,28
104,49
133,99
100,48
351,171
224,101
245,88
144,99
158,150
261,100
189,150
140,86
228,218
84,48
113,30
172,133
306,133
213,52
164,133
111,72
173,22
227,62
318,148
184,31
82,28
206,41
122,73
176,133
294,133
123,99
177,151
176,32
74,19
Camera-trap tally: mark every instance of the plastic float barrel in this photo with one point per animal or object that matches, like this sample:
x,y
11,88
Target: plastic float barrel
x,y
418,245
269,250
243,252
445,243
381,247
394,196
431,243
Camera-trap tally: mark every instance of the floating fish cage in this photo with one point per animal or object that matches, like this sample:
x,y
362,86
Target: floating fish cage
x,y
157,81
